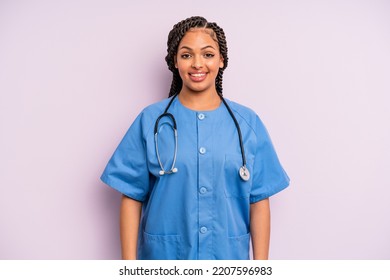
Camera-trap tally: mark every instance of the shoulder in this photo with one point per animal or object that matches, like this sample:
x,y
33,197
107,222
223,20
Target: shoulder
x,y
242,110
245,114
156,108
147,117
151,112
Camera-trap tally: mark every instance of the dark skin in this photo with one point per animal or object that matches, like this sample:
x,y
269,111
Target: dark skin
x,y
198,60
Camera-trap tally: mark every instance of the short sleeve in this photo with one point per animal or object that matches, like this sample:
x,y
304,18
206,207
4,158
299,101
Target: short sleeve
x,y
127,170
269,176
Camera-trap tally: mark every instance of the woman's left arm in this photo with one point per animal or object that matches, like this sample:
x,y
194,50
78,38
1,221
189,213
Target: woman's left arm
x,y
260,228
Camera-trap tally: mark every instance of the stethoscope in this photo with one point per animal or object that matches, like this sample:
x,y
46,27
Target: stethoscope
x,y
243,171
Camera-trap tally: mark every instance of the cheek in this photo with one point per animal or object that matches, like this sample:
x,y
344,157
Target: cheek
x,y
182,72
213,65
183,66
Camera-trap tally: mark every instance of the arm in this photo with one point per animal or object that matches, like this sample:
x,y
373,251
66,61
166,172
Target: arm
x,y
260,228
130,215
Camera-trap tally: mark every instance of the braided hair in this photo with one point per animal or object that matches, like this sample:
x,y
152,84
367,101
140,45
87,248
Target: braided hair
x,y
177,33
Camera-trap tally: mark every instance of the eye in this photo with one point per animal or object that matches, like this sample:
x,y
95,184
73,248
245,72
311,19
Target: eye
x,y
185,56
209,55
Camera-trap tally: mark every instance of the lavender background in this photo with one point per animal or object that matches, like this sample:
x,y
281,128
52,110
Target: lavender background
x,y
74,74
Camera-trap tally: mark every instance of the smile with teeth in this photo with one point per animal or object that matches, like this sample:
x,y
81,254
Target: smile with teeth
x,y
198,77
198,74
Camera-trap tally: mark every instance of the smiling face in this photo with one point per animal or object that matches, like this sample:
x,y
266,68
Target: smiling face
x,y
198,61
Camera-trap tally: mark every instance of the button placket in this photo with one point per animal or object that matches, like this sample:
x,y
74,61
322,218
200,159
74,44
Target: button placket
x,y
201,116
203,230
205,198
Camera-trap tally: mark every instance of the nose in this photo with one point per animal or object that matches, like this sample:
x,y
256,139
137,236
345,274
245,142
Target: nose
x,y
197,62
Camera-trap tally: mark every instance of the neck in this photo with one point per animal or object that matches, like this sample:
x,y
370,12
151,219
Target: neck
x,y
205,101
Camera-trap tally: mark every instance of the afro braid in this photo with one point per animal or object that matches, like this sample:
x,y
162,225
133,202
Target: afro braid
x,y
177,33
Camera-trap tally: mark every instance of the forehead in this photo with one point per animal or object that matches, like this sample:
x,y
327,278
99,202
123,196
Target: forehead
x,y
199,37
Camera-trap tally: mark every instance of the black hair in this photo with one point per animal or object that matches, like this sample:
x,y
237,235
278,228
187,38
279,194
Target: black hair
x,y
177,33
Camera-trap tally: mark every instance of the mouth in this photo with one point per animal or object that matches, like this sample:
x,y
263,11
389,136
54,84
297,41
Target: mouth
x,y
198,77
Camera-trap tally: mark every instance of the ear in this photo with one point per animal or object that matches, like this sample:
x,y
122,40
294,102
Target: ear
x,y
221,62
175,60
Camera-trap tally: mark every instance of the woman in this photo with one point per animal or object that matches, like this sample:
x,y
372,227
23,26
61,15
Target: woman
x,y
204,193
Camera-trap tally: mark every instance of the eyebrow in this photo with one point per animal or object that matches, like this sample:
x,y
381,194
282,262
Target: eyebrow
x,y
188,48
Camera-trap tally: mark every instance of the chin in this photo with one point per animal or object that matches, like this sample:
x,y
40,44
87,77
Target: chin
x,y
198,90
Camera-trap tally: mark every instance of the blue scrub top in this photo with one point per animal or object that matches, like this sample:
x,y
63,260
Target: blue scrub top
x,y
202,211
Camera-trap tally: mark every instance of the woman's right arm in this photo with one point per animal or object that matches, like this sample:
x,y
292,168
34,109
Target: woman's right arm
x,y
130,215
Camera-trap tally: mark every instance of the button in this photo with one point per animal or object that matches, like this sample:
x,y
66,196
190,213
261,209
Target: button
x,y
201,116
203,229
202,150
202,190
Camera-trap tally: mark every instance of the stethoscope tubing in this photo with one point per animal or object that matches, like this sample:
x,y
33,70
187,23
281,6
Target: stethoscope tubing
x,y
173,169
238,131
243,171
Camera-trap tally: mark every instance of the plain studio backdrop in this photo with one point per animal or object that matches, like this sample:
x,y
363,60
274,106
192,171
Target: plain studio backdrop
x,y
74,75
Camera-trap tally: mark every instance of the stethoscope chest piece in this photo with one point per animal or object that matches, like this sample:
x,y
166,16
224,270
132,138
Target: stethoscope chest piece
x,y
244,173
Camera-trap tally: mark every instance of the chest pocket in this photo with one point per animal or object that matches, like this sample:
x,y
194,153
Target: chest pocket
x,y
234,185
